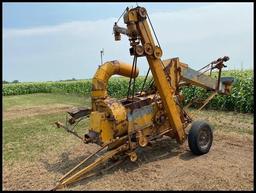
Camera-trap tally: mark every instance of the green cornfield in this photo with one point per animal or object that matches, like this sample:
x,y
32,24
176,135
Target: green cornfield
x,y
240,100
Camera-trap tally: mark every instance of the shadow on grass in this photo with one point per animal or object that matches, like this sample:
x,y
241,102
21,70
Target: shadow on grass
x,y
158,150
64,164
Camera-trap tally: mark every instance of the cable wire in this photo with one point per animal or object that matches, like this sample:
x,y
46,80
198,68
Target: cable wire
x,y
122,15
130,81
144,82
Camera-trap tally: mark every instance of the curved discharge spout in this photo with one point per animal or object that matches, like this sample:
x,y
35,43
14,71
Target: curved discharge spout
x,y
104,72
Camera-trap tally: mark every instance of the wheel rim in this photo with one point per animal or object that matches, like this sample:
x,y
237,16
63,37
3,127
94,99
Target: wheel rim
x,y
204,138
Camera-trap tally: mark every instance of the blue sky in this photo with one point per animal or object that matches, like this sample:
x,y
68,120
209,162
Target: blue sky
x,y
20,15
53,41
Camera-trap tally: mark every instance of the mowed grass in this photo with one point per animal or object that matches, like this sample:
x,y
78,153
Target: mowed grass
x,y
43,99
227,121
26,138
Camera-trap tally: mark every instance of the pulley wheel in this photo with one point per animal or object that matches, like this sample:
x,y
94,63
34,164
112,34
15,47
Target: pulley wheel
x,y
158,52
139,50
148,49
143,12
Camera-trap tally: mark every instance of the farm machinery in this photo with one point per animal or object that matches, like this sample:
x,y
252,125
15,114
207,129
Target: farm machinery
x,y
120,127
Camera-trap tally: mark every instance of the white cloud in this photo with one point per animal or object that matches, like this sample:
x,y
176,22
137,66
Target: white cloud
x,y
199,23
72,28
67,50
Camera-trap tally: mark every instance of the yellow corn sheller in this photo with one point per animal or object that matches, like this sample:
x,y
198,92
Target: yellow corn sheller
x,y
119,127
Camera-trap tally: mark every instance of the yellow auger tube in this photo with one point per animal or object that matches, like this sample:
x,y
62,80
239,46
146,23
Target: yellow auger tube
x,y
104,72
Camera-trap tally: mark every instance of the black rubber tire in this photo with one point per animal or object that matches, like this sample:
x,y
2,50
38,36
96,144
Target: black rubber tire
x,y
196,138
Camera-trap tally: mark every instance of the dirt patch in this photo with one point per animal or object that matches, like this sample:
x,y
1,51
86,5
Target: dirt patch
x,y
18,112
163,166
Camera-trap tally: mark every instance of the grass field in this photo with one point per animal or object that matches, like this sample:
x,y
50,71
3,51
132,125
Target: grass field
x,y
28,126
29,133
